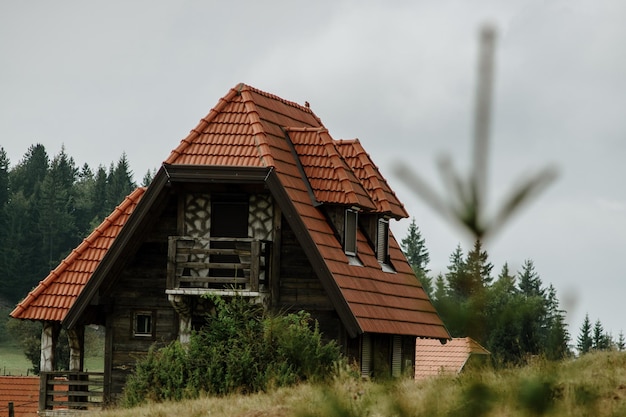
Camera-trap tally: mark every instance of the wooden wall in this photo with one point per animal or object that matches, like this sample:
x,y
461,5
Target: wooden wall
x,y
140,288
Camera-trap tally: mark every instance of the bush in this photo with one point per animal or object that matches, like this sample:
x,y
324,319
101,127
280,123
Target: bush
x,y
241,349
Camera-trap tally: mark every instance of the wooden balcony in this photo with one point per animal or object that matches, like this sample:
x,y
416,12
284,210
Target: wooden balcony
x,y
68,392
216,264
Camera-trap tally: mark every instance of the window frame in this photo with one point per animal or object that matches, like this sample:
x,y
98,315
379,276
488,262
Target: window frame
x,y
350,243
150,333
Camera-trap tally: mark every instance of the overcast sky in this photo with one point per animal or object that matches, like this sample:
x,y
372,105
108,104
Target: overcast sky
x,y
102,78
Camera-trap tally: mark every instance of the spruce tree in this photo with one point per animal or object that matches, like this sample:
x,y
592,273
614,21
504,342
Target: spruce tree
x,y
456,277
414,248
600,340
529,281
585,342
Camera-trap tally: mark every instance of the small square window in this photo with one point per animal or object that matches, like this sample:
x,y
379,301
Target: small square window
x,y
143,325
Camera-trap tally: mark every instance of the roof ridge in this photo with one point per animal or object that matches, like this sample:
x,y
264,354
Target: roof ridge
x,y
243,87
76,252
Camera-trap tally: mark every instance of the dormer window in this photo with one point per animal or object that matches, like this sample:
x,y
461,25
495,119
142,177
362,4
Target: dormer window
x,y
350,232
382,240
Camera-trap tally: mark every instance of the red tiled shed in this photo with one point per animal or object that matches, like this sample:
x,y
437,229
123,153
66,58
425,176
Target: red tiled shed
x,y
23,392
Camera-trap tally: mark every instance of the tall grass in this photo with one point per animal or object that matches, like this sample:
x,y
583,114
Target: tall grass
x,y
594,385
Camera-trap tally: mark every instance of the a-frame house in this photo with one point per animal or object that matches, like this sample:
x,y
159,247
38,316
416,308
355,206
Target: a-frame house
x,y
260,201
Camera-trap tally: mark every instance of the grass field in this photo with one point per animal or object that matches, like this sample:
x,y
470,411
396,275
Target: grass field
x,y
12,360
594,385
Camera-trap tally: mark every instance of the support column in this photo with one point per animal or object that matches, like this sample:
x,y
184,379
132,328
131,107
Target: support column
x,y
76,339
183,307
49,337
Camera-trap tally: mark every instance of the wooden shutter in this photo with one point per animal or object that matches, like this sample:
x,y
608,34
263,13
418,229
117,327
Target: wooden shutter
x,y
382,240
350,232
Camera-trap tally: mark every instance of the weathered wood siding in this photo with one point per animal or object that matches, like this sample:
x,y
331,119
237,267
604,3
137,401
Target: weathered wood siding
x,y
301,289
140,288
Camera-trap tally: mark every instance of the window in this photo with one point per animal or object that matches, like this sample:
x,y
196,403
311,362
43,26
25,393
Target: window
x,y
382,241
143,325
350,232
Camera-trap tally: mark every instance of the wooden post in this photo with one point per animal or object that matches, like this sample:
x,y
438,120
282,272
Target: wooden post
x,y
11,411
43,391
171,263
255,258
49,337
76,339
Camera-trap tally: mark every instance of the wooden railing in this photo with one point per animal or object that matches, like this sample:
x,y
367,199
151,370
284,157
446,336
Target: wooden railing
x,y
68,390
217,263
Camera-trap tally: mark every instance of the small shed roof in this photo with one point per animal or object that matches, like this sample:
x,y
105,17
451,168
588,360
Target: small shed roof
x,y
433,358
23,392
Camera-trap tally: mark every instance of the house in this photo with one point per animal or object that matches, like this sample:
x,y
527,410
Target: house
x,y
432,358
260,201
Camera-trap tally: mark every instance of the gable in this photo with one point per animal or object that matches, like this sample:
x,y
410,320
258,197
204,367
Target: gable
x,y
368,174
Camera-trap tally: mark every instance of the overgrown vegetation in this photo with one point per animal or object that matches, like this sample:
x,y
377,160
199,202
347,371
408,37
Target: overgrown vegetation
x,y
592,385
241,349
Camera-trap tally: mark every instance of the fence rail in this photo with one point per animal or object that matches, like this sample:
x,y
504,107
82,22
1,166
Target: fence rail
x,y
67,390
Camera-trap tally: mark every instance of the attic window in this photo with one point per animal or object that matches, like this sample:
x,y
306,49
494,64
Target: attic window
x,y
382,241
143,324
350,232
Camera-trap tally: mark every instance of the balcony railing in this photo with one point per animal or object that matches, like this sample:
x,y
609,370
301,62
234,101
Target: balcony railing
x,y
217,263
70,391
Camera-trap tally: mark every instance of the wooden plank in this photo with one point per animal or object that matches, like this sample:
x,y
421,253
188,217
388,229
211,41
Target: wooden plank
x,y
255,257
78,393
76,382
214,265
79,404
214,280
171,263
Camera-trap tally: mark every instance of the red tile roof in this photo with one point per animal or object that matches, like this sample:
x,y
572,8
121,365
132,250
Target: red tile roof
x,y
433,359
23,392
247,128
53,297
371,178
330,177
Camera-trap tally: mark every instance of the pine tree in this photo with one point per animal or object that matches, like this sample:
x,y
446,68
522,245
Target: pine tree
x,y
554,327
600,340
456,277
120,183
503,320
584,341
414,248
529,280
478,268
5,285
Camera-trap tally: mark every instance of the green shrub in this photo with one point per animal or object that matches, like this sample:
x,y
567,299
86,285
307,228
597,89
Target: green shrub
x,y
241,349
